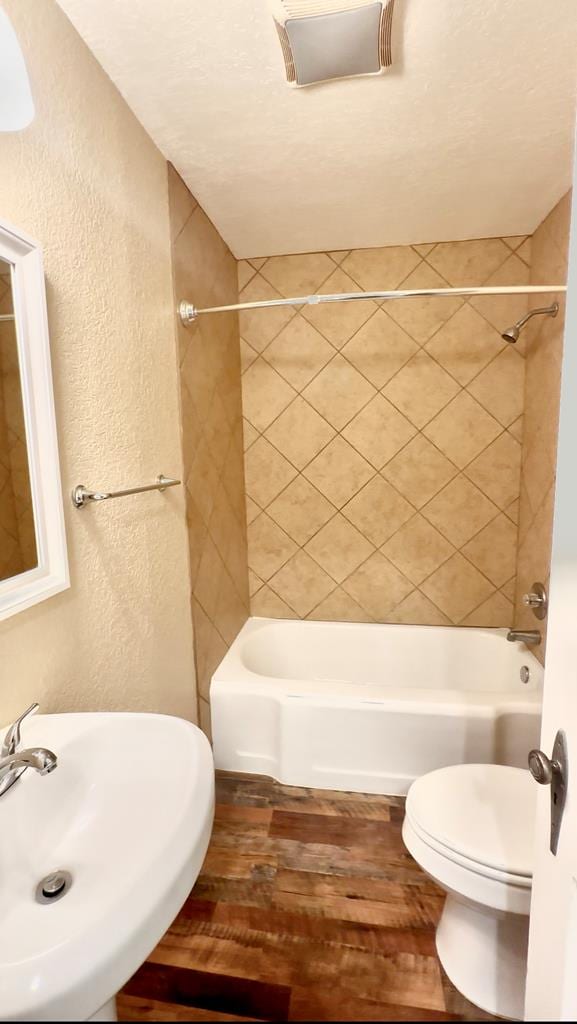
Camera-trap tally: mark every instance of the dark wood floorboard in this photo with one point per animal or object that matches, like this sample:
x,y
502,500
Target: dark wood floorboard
x,y
308,907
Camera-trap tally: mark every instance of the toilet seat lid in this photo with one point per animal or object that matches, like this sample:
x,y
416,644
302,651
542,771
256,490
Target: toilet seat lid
x,y
482,812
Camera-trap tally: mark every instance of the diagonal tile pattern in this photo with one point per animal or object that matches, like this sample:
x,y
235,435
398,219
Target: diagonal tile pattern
x,y
339,471
339,548
549,249
421,389
211,413
267,472
299,352
338,322
465,344
258,330
379,431
301,583
419,471
381,269
265,394
459,511
378,510
380,349
383,441
421,318
301,509
462,430
297,275
417,549
300,433
339,392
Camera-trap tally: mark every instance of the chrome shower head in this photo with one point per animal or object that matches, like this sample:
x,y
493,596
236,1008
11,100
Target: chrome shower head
x,y
511,334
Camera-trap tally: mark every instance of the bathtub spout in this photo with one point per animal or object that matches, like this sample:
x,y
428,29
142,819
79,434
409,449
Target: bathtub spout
x,y
531,637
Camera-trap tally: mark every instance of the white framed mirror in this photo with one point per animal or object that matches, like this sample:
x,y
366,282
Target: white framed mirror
x,y
33,558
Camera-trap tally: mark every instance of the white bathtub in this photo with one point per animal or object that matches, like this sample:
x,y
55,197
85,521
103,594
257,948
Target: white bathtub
x,y
369,708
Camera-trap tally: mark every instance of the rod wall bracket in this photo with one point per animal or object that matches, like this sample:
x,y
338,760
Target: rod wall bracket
x,y
187,312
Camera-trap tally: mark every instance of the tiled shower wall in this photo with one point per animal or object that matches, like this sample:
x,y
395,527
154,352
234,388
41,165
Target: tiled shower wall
x,y
383,443
542,388
205,272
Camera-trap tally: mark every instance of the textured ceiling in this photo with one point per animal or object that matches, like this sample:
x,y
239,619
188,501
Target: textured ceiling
x,y
469,134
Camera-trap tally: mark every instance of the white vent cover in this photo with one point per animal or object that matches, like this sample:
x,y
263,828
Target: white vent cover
x,y
326,39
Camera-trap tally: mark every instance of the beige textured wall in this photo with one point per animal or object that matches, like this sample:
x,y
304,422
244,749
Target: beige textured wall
x,y
542,388
86,181
383,444
209,359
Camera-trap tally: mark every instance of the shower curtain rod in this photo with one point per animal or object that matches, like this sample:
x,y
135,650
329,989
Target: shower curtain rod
x,y
188,311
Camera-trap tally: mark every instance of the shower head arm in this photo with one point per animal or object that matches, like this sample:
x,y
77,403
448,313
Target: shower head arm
x,y
551,310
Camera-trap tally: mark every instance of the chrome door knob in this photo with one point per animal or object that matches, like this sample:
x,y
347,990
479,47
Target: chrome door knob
x,y
542,768
552,772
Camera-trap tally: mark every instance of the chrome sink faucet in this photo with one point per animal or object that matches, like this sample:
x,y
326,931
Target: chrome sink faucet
x,y
13,761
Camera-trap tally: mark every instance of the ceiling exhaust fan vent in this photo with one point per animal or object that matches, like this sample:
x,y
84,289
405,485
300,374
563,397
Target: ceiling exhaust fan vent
x,y
326,39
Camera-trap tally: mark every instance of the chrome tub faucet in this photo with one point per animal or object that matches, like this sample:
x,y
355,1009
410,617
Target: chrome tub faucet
x,y
13,761
530,637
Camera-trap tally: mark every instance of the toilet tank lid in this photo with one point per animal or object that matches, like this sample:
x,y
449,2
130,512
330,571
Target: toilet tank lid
x,y
484,812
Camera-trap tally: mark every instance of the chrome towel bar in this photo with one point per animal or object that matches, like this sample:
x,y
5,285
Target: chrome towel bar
x,y
81,496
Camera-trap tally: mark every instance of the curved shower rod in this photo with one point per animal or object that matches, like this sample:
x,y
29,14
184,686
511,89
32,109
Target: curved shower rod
x,y
188,312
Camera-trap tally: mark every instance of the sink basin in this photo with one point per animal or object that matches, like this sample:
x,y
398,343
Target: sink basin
x,y
128,812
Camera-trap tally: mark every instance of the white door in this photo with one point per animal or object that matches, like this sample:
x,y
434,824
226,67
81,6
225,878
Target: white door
x,y
552,969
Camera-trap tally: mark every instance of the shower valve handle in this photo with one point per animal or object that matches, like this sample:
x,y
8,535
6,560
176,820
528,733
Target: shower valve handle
x,y
537,600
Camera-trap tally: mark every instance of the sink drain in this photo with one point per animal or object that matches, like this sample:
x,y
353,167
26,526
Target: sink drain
x,y
53,887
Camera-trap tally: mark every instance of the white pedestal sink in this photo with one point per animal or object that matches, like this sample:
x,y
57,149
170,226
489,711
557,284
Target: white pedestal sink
x,y
128,813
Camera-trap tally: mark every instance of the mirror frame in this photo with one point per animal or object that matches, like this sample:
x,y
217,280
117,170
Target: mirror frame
x,y
50,575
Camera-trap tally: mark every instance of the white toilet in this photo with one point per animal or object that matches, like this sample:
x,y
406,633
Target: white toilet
x,y
470,827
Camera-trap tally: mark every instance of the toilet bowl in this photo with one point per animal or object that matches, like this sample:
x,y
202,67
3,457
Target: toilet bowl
x,y
470,827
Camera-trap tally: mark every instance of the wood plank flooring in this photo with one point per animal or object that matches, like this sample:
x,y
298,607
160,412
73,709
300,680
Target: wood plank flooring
x,y
308,907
